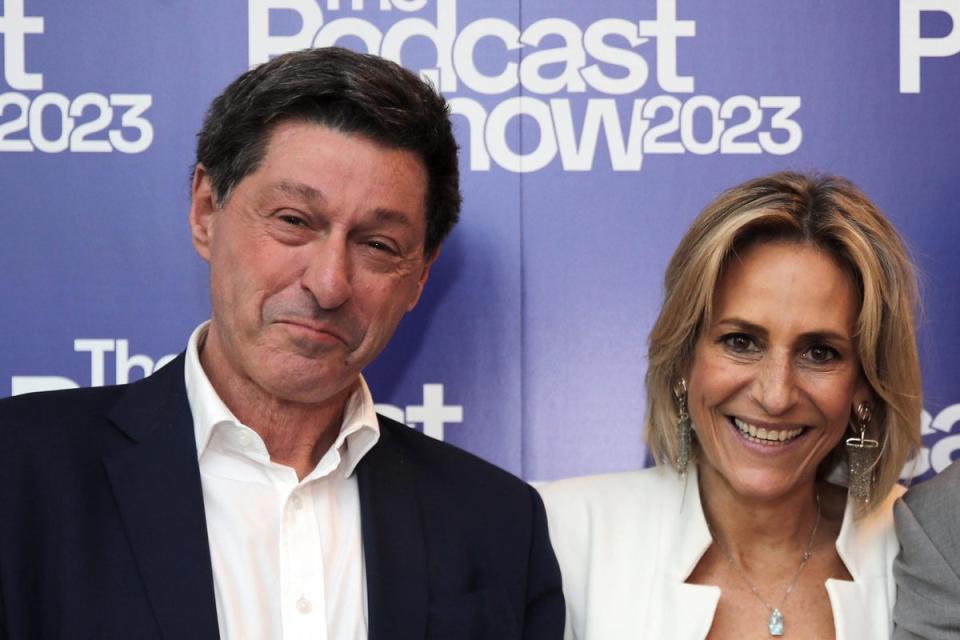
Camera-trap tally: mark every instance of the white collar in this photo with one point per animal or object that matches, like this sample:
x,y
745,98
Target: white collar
x,y
861,607
359,431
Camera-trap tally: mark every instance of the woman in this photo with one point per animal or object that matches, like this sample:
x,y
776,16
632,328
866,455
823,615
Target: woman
x,y
783,396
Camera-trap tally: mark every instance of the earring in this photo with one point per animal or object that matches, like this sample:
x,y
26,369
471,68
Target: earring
x,y
861,457
683,427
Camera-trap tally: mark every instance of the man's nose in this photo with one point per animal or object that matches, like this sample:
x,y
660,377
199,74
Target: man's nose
x,y
775,386
328,274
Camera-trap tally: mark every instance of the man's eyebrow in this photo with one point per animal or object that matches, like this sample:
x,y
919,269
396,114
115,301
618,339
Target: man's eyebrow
x,y
299,190
308,194
392,216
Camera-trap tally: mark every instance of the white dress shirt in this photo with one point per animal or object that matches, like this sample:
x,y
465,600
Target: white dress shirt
x,y
287,554
627,543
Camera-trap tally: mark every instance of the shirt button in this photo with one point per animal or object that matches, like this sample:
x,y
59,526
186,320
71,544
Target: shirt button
x,y
304,606
243,437
297,502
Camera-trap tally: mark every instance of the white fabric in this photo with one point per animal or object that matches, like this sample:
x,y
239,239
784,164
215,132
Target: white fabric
x,y
627,542
287,554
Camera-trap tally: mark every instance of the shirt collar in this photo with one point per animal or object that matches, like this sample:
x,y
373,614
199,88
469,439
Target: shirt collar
x,y
359,430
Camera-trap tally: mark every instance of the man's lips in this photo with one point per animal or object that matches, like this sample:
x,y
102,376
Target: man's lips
x,y
767,433
319,329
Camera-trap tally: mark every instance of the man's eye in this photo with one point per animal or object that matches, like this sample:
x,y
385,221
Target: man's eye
x,y
739,343
292,220
381,246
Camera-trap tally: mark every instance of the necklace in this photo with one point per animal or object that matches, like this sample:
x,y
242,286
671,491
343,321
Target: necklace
x,y
775,623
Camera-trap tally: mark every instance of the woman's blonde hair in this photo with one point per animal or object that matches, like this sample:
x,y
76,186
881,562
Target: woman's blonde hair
x,y
835,216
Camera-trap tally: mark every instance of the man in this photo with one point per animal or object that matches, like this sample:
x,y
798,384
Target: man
x,y
927,570
248,489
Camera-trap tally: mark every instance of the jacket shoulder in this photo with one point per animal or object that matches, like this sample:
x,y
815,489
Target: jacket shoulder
x,y
940,494
72,421
446,462
54,435
607,493
469,500
609,505
53,409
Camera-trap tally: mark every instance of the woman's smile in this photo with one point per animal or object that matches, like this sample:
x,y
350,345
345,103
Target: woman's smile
x,y
775,374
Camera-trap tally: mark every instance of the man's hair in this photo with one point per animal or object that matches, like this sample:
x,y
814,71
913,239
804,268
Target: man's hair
x,y
345,91
831,214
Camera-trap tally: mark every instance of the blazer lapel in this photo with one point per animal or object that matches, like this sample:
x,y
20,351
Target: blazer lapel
x,y
393,542
156,482
687,610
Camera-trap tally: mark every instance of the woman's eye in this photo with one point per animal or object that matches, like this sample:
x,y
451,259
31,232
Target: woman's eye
x,y
822,353
739,343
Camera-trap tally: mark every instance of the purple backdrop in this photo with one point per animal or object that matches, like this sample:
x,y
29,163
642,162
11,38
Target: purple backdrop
x,y
591,133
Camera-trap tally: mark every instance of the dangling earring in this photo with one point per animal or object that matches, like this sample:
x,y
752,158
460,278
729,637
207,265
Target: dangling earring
x,y
861,457
683,427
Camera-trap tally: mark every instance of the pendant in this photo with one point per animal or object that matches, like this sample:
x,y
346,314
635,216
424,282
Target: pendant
x,y
775,623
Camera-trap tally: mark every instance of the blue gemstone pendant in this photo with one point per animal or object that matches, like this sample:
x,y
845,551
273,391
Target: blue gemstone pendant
x,y
775,623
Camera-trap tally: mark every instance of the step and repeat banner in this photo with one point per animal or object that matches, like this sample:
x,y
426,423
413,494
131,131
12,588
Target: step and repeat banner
x,y
591,132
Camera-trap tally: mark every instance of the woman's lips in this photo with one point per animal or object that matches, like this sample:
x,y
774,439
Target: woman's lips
x,y
767,434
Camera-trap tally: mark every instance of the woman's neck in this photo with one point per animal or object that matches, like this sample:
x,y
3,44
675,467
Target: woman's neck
x,y
753,528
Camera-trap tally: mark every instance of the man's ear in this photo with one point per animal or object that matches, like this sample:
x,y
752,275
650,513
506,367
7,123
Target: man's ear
x,y
424,274
202,208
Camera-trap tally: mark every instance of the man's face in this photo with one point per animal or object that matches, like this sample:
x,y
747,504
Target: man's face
x,y
314,259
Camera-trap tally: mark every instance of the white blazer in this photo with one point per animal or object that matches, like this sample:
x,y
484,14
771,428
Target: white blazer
x,y
627,542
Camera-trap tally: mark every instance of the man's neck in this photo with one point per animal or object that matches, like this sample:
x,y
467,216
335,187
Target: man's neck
x,y
296,434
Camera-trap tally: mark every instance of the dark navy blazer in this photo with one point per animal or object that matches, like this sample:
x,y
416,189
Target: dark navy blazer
x,y
103,533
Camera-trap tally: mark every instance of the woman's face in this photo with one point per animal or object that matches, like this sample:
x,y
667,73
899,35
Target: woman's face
x,y
776,375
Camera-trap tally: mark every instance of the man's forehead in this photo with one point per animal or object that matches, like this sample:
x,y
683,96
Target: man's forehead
x,y
321,166
277,136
